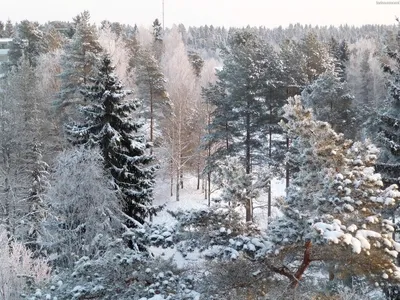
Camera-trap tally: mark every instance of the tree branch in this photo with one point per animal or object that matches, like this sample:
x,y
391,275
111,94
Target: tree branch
x,y
295,277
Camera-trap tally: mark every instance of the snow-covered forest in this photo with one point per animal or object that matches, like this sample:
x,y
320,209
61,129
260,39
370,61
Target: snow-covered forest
x,y
152,163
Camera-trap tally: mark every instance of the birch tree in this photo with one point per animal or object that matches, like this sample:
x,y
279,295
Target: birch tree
x,y
182,90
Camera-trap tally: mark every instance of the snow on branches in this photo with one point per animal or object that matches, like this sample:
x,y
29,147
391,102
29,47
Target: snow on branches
x,y
336,198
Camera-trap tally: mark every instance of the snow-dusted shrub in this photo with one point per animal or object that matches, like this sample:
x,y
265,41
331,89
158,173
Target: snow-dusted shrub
x,y
85,213
240,279
210,226
150,234
237,187
18,269
121,274
218,233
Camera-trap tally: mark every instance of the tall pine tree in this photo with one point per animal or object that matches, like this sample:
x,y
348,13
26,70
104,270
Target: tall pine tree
x,y
246,101
80,59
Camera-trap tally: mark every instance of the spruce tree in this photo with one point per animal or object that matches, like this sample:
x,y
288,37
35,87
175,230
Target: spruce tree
x,y
2,33
343,57
366,81
9,29
22,126
339,53
36,199
110,125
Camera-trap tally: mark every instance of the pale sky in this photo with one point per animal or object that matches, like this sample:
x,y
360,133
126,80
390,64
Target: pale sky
x,y
270,13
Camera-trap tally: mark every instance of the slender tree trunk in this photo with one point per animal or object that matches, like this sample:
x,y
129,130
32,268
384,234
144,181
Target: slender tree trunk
x,y
248,201
227,136
208,184
172,176
205,190
248,146
248,210
209,188
7,191
394,222
287,164
270,157
151,119
198,176
181,177
287,148
178,161
177,183
198,165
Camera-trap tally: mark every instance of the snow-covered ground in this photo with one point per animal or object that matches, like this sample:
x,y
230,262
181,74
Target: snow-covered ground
x,y
190,197
193,199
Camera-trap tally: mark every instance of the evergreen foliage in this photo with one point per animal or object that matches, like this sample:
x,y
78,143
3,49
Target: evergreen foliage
x,y
316,56
389,129
150,82
79,60
336,201
28,42
341,55
247,96
331,102
36,198
157,39
244,98
293,60
109,124
197,62
8,29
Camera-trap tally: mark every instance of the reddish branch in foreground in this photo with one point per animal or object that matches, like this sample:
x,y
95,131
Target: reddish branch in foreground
x,y
295,277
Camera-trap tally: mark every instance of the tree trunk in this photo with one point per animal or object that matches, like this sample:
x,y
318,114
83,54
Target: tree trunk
x,y
177,183
227,136
198,176
270,157
249,210
151,119
287,164
205,190
181,177
248,204
209,188
269,199
198,166
172,177
8,193
303,267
